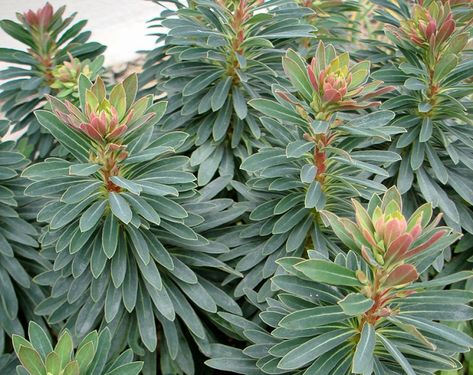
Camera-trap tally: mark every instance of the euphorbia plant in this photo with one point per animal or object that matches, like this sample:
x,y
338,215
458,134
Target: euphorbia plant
x,y
364,312
50,40
122,226
93,355
319,160
221,54
432,77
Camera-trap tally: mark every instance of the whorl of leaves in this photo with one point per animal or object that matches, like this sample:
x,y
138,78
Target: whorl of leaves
x,y
219,55
363,312
91,357
123,223
319,160
433,104
50,40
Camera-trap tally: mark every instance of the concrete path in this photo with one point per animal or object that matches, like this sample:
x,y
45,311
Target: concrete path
x,y
119,24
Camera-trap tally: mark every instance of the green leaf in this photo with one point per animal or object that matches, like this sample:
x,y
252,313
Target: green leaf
x,y
74,142
425,130
414,84
17,31
53,363
118,99
263,159
290,219
19,341
120,207
277,111
295,68
122,182
315,197
297,149
79,192
130,85
397,355
355,304
314,348
143,208
145,317
308,173
239,103
324,271
363,358
200,82
72,368
110,236
83,169
92,215
85,356
64,348
39,339
313,317
31,361
371,121
220,94
133,368
439,311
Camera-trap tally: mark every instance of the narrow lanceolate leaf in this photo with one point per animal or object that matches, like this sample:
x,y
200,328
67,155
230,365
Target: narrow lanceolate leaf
x,y
39,339
313,317
92,215
397,355
120,207
126,184
110,235
327,272
363,358
355,304
439,311
133,368
314,348
83,169
31,361
276,110
75,143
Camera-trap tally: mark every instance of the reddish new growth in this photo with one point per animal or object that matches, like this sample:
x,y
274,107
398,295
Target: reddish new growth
x,y
388,242
105,121
242,12
39,22
41,18
335,85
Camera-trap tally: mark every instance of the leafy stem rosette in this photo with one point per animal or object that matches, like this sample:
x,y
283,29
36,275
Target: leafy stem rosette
x,y
364,312
222,54
50,41
92,356
123,222
319,160
433,104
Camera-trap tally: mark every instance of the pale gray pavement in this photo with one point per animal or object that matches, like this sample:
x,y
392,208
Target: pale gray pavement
x,y
119,24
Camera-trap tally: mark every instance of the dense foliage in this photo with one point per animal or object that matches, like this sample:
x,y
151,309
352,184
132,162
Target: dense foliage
x,y
284,189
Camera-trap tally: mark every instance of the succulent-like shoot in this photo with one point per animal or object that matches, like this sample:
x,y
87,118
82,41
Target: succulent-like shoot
x,y
433,29
391,244
66,77
92,356
105,118
41,67
338,85
41,19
